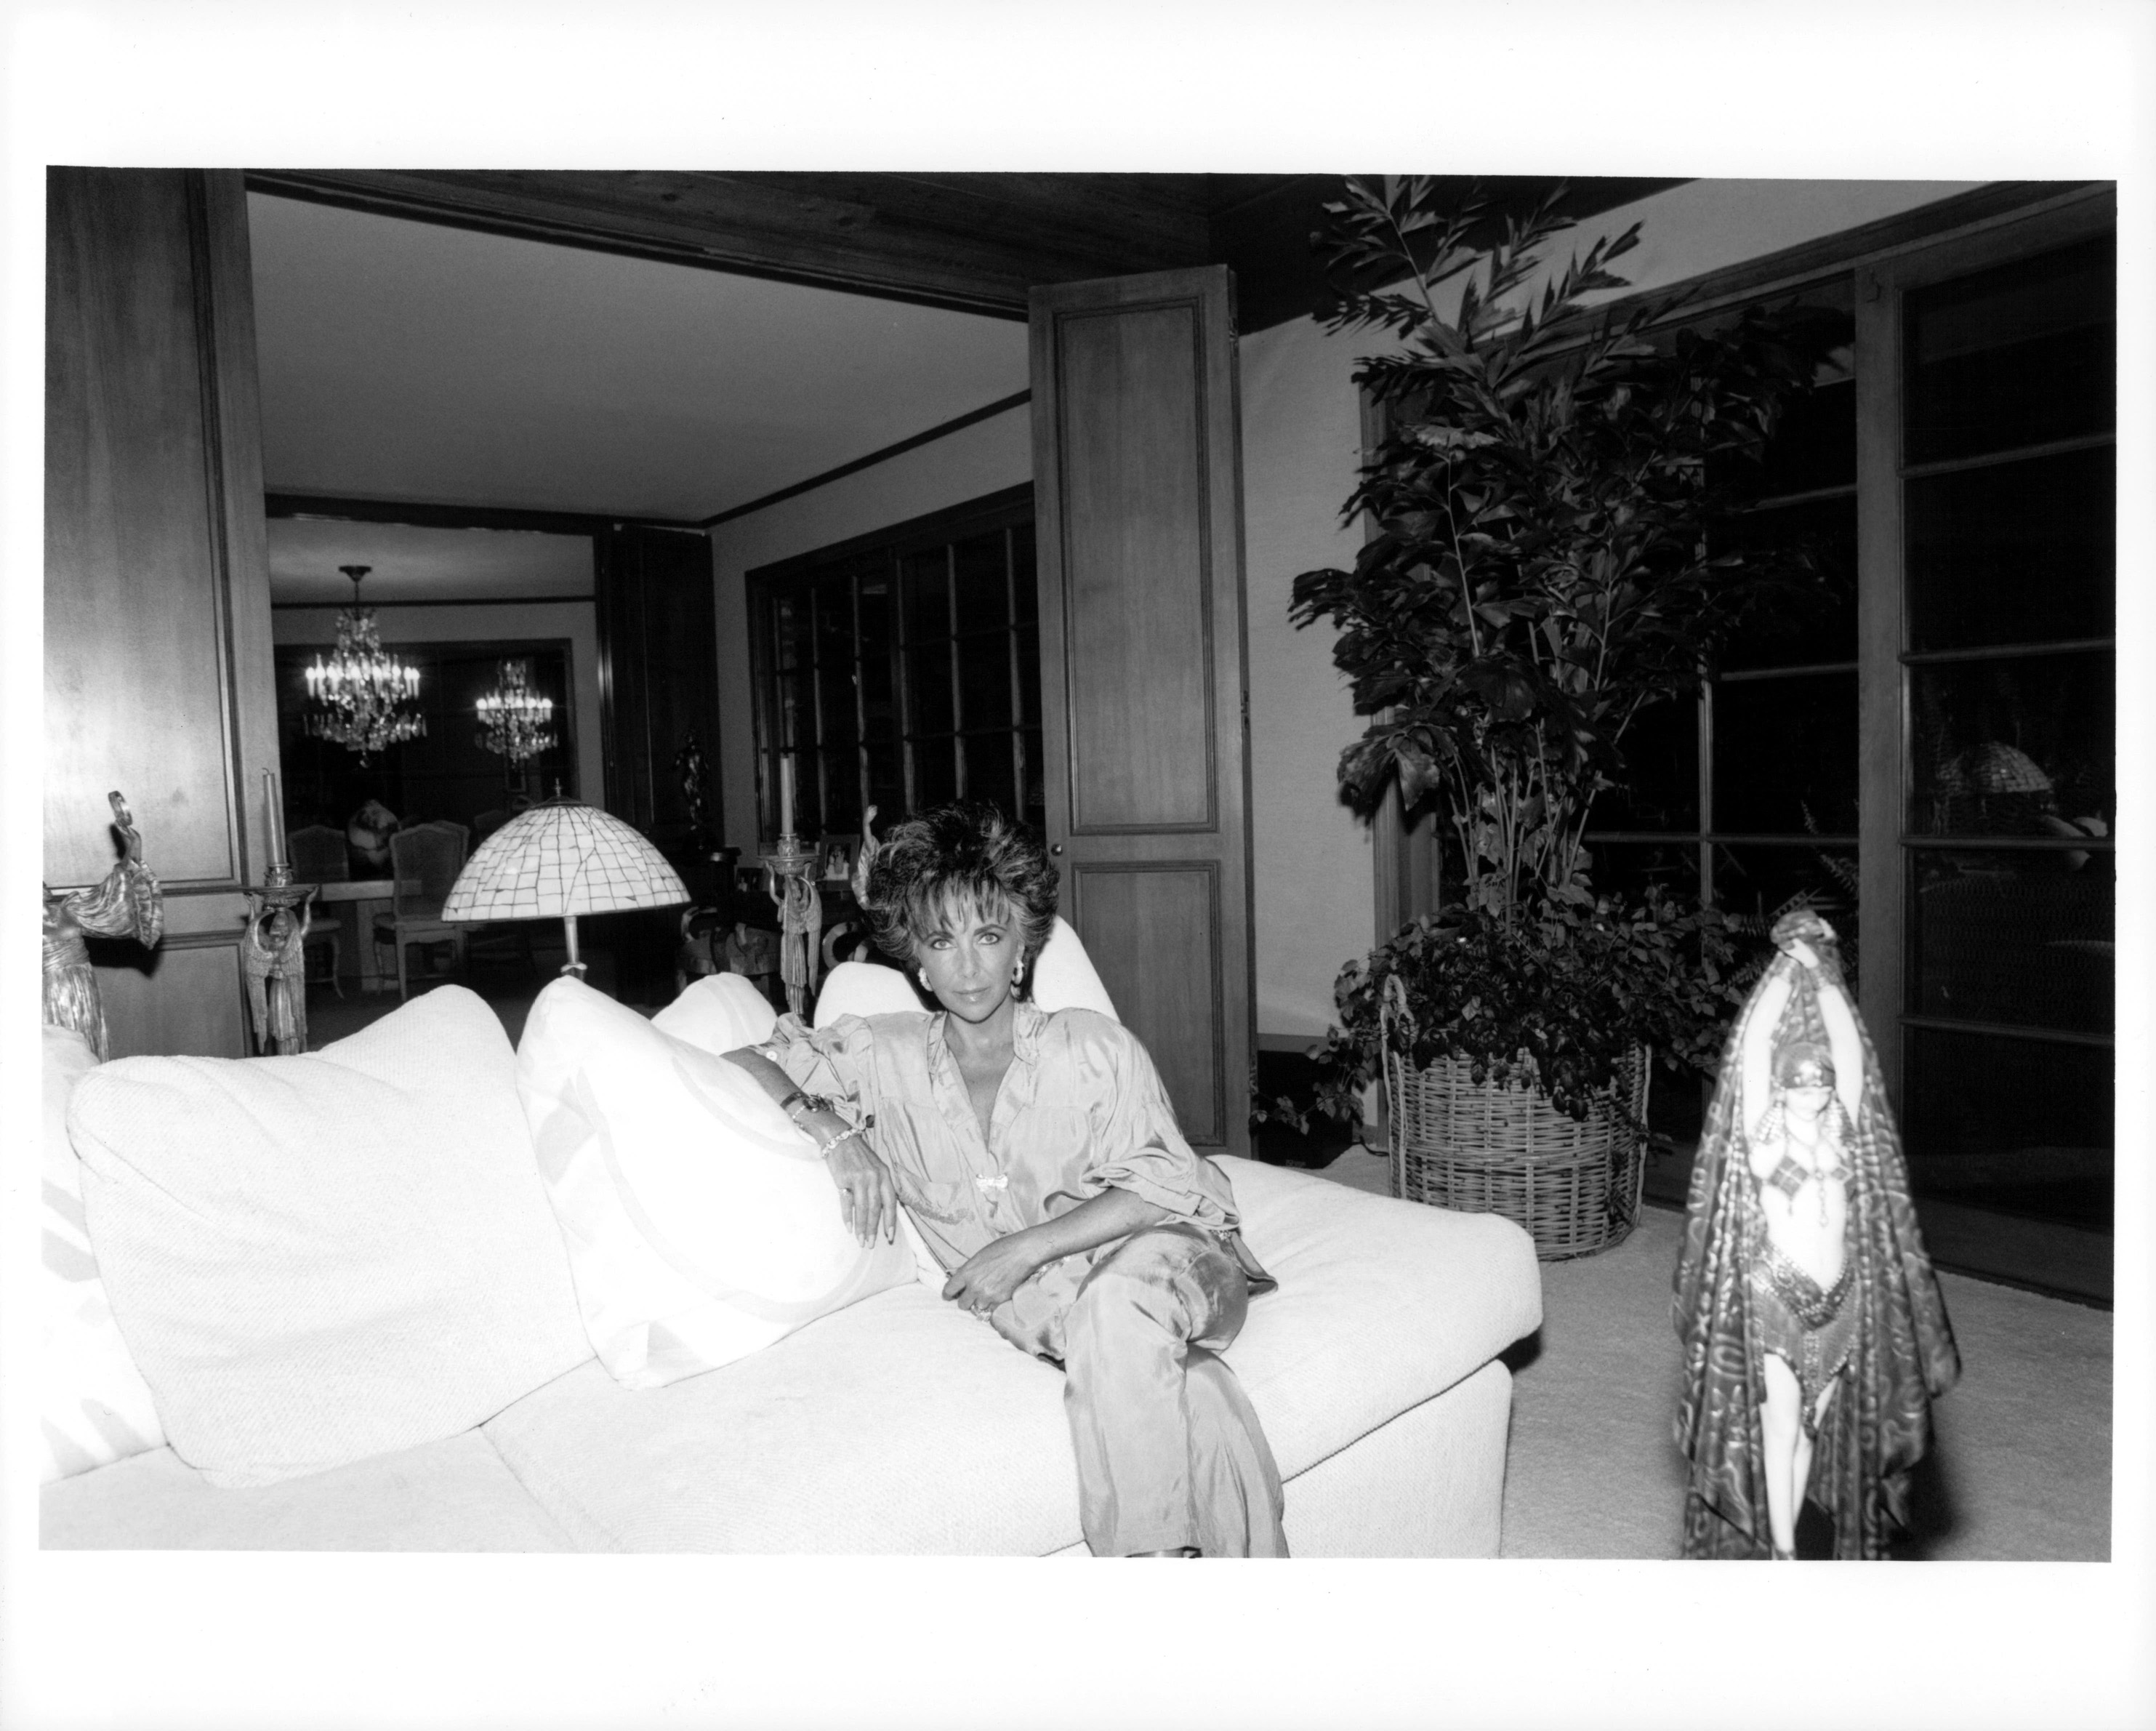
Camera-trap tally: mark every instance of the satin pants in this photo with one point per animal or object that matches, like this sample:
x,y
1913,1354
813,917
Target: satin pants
x,y
1169,1450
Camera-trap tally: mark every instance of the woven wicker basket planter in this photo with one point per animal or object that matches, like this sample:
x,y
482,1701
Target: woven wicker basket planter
x,y
1483,1148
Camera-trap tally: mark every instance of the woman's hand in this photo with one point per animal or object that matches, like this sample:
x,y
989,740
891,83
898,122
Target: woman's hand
x,y
868,1201
988,1277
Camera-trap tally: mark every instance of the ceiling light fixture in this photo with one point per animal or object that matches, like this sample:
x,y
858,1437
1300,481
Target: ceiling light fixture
x,y
514,722
362,698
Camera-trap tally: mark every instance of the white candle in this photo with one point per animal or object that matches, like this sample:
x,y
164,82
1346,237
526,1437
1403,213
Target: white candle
x,y
785,794
276,816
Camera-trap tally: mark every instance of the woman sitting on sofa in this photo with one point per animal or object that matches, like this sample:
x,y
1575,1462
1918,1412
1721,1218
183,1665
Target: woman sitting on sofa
x,y
1038,1158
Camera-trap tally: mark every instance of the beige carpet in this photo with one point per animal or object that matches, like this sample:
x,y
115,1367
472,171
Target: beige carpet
x,y
2020,1466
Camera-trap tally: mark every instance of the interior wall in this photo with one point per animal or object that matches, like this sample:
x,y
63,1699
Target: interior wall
x,y
984,458
575,620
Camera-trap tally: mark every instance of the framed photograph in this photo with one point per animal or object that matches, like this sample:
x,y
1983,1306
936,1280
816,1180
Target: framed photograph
x,y
834,858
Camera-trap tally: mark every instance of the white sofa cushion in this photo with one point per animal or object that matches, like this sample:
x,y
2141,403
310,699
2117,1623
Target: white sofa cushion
x,y
95,1408
902,1425
453,1495
323,1257
702,1223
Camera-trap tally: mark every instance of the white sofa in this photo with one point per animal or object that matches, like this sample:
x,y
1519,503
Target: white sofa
x,y
895,1424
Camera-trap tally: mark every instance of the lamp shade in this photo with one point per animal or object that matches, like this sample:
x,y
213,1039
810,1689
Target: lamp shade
x,y
558,859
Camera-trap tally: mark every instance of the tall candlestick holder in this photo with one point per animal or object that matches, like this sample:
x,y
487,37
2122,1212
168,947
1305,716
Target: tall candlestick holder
x,y
791,881
273,954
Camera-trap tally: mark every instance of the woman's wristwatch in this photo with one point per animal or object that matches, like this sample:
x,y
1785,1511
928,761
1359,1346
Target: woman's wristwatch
x,y
799,1105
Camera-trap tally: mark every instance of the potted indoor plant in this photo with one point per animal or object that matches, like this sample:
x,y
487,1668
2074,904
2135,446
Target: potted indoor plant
x,y
1538,572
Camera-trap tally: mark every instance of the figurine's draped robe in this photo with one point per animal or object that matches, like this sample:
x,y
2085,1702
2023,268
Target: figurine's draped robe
x,y
127,904
1879,1424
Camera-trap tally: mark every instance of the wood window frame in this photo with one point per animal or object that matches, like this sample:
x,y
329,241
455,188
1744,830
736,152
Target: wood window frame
x,y
1009,508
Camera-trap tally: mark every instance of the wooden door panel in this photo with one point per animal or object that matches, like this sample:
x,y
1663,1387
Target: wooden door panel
x,y
1153,932
186,998
1137,489
1140,694
134,651
159,681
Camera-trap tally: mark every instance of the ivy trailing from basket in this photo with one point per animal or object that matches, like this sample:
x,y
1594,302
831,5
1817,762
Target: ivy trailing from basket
x,y
1556,1000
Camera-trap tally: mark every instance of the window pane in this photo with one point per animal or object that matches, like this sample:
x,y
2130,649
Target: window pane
x,y
1807,623
990,774
1036,788
928,689
790,630
2018,552
1626,868
1785,755
797,720
2022,938
835,623
1756,882
2012,356
2016,747
983,594
1024,585
842,791
842,753
1660,775
808,796
984,681
935,772
2020,1125
878,696
886,777
1816,446
1029,673
926,578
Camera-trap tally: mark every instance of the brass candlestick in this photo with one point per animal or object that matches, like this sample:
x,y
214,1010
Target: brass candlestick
x,y
273,954
800,916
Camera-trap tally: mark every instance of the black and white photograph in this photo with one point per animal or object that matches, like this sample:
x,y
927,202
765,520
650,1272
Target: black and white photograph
x,y
839,819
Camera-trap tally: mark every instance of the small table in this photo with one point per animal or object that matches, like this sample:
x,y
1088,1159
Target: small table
x,y
372,895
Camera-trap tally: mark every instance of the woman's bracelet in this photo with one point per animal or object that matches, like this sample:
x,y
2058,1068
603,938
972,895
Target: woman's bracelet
x,y
825,1145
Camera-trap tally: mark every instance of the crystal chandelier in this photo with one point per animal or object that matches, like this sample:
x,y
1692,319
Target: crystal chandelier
x,y
362,698
514,721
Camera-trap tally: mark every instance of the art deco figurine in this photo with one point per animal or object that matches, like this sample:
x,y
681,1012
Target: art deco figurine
x,y
1814,1336
127,904
274,957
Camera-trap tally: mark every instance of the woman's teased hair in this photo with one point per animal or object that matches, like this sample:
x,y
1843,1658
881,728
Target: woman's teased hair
x,y
966,857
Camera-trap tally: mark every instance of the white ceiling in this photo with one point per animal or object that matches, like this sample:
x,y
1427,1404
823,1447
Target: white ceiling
x,y
406,564
415,363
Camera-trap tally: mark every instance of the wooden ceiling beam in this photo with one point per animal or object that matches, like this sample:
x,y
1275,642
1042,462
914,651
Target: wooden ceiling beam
x,y
977,243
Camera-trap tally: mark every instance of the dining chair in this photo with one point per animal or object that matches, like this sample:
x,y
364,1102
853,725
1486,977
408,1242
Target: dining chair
x,y
318,856
426,858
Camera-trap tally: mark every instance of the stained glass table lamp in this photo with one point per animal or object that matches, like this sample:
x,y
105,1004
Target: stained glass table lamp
x,y
560,858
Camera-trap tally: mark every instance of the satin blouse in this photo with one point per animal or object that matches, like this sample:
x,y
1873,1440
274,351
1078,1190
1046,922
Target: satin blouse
x,y
1081,1110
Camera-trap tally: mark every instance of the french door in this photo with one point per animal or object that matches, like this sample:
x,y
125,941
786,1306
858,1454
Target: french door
x,y
1986,416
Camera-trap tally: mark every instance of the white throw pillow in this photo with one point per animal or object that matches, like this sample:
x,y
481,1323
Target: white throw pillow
x,y
702,1223
96,1408
1064,976
719,1013
327,1256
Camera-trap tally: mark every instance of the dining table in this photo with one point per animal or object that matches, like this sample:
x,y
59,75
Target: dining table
x,y
369,896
